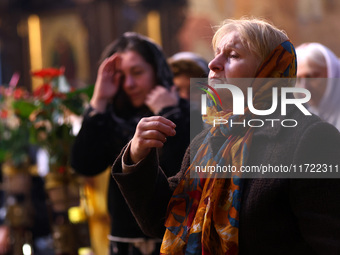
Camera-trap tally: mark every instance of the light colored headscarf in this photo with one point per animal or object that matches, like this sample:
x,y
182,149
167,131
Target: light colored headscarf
x,y
329,107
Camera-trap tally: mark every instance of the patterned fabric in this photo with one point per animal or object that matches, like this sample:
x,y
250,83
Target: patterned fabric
x,y
203,213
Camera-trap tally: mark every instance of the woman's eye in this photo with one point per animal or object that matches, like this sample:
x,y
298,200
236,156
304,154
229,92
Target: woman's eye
x,y
135,73
233,56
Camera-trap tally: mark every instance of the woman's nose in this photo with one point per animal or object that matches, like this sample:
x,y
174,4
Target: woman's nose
x,y
301,82
216,64
129,81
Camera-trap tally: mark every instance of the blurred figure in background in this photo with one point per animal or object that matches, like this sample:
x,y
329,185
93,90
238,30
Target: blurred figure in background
x,y
134,81
186,65
317,61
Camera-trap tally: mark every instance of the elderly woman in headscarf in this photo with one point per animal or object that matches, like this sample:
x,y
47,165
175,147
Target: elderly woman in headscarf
x,y
186,65
316,61
133,81
213,215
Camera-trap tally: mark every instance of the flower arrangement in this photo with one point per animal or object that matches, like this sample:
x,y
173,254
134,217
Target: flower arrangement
x,y
44,118
14,128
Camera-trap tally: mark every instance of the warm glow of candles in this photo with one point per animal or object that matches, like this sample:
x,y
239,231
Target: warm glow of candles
x,y
34,36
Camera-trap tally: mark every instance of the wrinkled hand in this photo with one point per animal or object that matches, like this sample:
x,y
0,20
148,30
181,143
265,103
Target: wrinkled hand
x,y
151,132
160,97
4,239
107,83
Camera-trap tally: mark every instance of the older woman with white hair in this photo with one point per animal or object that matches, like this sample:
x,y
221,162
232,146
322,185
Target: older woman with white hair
x,y
231,215
316,61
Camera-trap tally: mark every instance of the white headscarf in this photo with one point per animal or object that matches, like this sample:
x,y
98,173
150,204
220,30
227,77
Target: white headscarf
x,y
187,55
329,106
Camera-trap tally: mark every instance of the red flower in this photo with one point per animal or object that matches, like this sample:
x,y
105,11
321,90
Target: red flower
x,y
3,114
18,93
45,93
49,72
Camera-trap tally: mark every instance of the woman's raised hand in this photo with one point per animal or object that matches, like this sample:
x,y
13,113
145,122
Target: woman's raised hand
x,y
160,98
107,83
151,132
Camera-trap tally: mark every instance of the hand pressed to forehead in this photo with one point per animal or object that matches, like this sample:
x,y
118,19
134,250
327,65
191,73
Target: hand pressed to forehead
x,y
108,81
